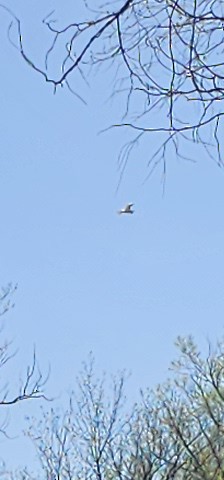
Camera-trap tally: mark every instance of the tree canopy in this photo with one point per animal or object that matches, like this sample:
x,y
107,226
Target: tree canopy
x,y
174,432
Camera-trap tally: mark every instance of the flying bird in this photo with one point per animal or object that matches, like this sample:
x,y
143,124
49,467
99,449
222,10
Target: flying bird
x,y
127,209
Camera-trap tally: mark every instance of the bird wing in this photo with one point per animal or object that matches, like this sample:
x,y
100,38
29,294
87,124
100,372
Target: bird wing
x,y
128,206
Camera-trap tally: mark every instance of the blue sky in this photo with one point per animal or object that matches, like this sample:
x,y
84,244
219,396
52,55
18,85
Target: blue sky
x,y
88,279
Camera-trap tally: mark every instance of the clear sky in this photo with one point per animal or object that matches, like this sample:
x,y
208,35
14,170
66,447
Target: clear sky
x,y
89,279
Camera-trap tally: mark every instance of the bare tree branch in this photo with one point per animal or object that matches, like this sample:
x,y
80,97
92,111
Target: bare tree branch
x,y
168,59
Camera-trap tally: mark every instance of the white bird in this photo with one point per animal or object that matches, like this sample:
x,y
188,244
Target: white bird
x,y
127,209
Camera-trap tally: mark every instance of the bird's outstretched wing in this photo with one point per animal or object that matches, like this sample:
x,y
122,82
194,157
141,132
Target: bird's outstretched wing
x,y
128,207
